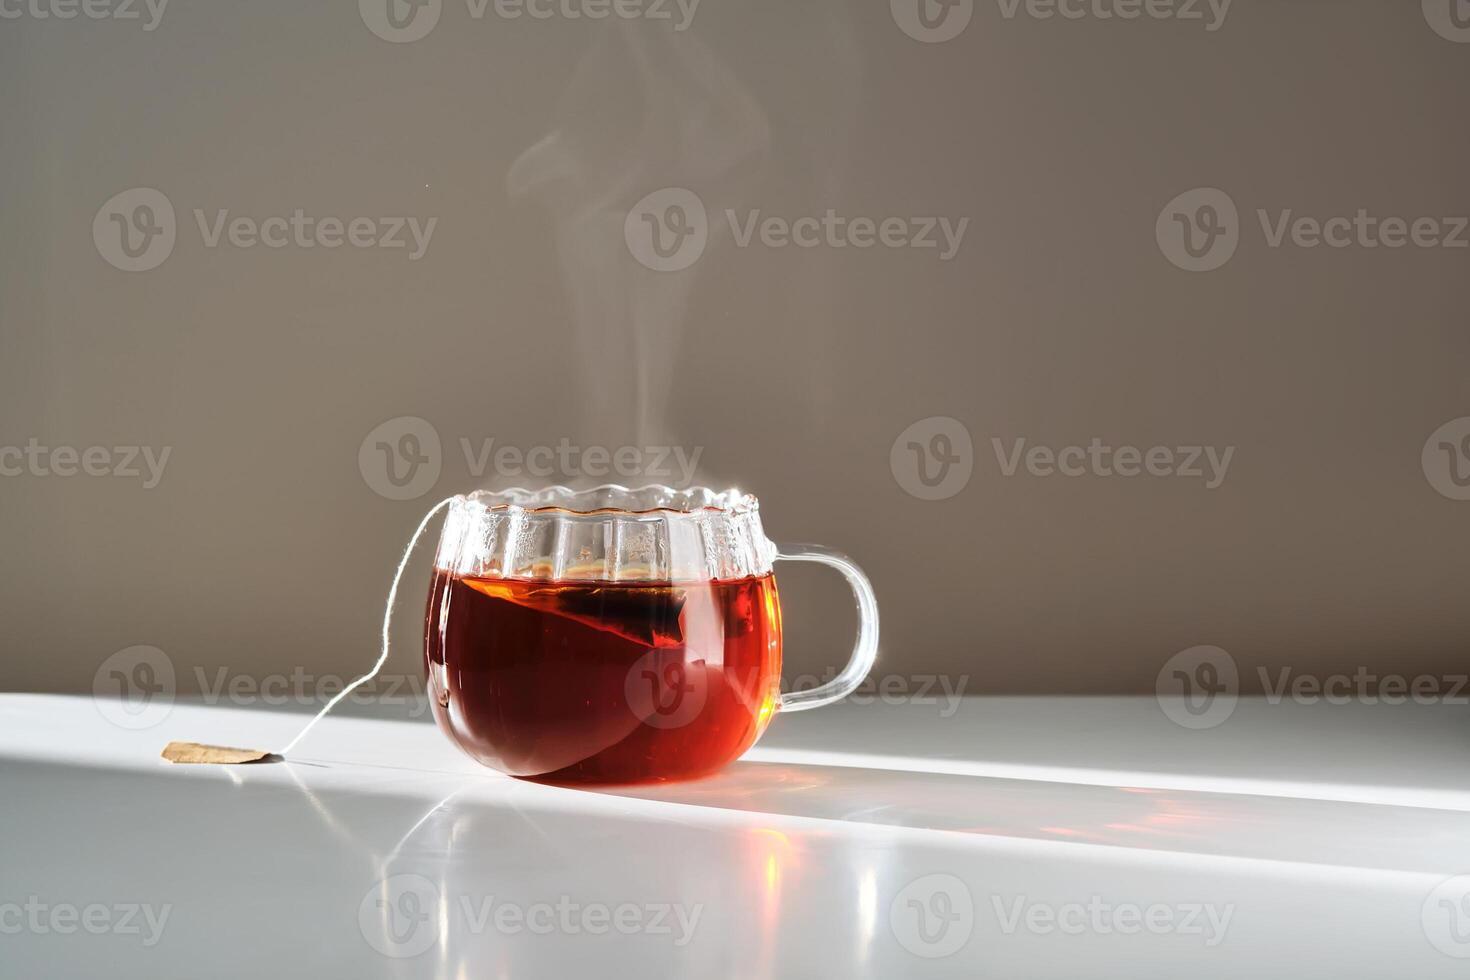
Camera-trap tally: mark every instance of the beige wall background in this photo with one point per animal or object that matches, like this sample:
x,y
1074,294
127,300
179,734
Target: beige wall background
x,y
265,546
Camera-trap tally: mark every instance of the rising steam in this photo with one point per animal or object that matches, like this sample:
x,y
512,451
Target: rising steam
x,y
646,109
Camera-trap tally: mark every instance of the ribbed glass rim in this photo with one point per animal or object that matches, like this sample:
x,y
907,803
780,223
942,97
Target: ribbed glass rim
x,y
612,498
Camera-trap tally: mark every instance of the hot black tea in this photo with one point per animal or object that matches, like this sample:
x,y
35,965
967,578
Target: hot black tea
x,y
578,681
607,635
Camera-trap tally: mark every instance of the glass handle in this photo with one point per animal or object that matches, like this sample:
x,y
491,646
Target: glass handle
x,y
864,652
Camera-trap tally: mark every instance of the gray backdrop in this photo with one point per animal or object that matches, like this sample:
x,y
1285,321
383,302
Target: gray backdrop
x,y
1131,270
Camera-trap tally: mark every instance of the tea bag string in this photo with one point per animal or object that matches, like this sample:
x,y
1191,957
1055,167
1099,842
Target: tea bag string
x,y
387,627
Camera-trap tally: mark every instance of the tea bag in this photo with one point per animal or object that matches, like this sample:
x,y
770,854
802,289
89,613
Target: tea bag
x,y
198,752
645,614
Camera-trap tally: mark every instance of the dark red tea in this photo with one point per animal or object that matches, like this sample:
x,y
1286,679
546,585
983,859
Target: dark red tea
x,y
603,681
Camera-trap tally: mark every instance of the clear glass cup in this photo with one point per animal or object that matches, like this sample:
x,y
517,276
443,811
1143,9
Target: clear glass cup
x,y
616,635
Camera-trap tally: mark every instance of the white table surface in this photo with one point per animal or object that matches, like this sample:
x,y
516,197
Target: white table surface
x,y
1013,838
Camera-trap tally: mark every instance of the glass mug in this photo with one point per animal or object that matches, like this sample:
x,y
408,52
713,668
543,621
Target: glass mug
x,y
614,635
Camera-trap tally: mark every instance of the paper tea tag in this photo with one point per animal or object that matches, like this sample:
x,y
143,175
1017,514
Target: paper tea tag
x,y
195,752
